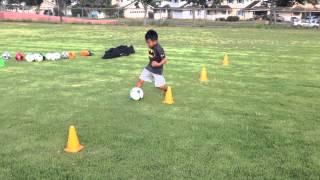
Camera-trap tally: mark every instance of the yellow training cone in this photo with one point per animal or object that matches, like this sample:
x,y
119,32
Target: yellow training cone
x,y
73,144
203,74
225,60
168,99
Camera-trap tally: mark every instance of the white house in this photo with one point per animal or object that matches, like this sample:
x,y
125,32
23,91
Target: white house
x,y
256,8
162,13
178,9
47,7
188,12
133,9
181,9
237,7
221,11
244,9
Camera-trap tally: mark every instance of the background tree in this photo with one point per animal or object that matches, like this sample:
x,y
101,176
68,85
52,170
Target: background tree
x,y
216,3
33,2
28,2
145,4
95,3
59,7
202,3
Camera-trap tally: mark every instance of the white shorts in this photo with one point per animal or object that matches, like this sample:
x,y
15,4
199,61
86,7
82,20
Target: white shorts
x,y
148,76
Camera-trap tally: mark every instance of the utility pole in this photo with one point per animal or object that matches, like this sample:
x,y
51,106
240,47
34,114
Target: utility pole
x,y
193,16
59,2
273,15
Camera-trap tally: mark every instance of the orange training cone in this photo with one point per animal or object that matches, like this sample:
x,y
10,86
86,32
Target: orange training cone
x,y
203,74
225,60
73,144
168,99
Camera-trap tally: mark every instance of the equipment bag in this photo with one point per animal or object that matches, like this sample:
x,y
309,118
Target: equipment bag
x,y
118,52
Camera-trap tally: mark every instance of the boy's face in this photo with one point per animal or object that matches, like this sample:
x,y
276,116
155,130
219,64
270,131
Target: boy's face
x,y
151,43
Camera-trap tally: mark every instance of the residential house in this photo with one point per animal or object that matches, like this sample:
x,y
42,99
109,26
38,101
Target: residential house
x,y
298,11
181,9
218,12
256,9
48,7
134,9
162,12
244,9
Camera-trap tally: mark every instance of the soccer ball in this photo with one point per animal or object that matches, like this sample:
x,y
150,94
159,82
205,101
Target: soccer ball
x,y
49,56
6,56
64,55
136,93
29,57
56,56
19,57
38,57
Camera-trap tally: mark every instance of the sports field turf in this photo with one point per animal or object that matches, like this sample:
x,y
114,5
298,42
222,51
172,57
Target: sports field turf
x,y
256,119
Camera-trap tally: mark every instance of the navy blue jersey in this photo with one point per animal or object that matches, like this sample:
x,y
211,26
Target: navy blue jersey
x,y
156,54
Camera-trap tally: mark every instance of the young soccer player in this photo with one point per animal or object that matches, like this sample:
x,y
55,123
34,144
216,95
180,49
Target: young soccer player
x,y
157,58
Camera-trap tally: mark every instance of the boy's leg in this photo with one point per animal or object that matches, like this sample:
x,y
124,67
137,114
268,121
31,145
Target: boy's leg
x,y
140,83
144,76
160,82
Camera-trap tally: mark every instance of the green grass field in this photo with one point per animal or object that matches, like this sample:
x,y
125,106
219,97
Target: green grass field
x,y
256,119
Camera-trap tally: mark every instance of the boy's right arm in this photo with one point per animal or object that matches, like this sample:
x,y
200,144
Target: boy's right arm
x,y
161,55
157,64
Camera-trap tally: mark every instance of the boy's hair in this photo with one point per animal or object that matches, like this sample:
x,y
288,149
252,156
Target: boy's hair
x,y
152,35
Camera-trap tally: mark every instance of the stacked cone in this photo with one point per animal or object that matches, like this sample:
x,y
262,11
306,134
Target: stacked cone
x,y
168,99
225,61
73,144
203,74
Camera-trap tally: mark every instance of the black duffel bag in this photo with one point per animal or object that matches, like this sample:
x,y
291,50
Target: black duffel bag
x,y
118,52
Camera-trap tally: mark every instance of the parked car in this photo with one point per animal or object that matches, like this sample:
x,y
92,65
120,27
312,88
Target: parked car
x,y
313,18
306,23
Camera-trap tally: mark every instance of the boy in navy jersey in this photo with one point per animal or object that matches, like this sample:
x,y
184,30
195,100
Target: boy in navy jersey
x,y
153,72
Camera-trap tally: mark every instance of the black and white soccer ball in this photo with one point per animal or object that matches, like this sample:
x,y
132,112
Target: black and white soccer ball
x,y
6,55
64,55
30,57
136,93
56,56
49,56
38,57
